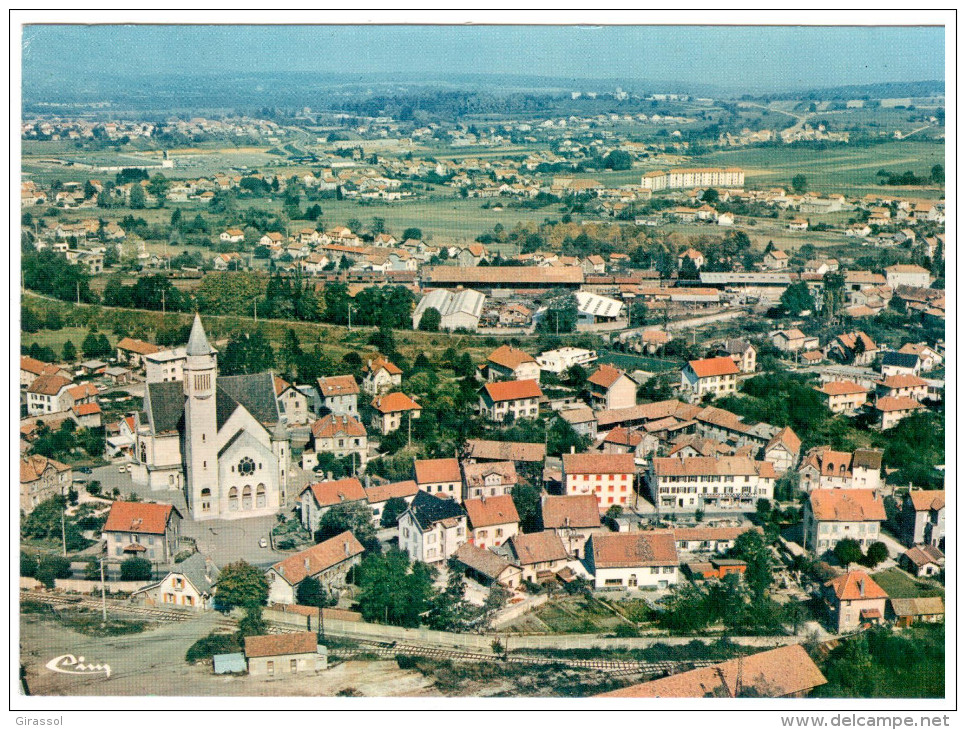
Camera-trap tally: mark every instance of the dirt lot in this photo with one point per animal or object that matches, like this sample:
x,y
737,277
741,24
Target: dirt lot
x,y
153,663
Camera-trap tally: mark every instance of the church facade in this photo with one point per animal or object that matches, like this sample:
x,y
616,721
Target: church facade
x,y
219,439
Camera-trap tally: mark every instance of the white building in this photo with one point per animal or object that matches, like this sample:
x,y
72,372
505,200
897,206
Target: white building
x,y
165,366
560,360
633,559
458,309
707,482
432,529
832,515
328,562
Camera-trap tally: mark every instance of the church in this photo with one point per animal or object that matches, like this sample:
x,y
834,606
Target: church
x,y
218,439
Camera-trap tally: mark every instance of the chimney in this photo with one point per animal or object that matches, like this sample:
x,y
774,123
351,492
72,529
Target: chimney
x,y
573,449
306,565
862,587
346,546
368,481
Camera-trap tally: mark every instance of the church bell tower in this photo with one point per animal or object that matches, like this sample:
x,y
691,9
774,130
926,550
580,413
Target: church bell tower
x,y
199,448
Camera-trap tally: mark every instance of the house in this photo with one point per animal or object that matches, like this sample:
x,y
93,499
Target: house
x,y
716,483
633,559
510,400
718,568
316,499
520,453
798,224
227,261
743,353
539,554
923,561
854,600
440,477
835,514
48,394
391,410
87,415
40,479
488,478
338,435
843,397
907,275
380,494
189,584
165,365
560,360
280,654
611,388
328,562
824,468
929,359
715,375
581,419
488,567
622,440
339,394
783,450
293,405
854,348
696,257
574,518
31,369
893,410
793,340
787,671
509,363
491,520
609,477
776,259
142,530
379,376
133,351
923,518
708,539
899,363
232,235
907,611
432,529
902,386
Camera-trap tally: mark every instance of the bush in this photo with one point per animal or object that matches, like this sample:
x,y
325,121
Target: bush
x,y
405,661
136,569
93,488
28,565
626,631
51,567
183,555
212,644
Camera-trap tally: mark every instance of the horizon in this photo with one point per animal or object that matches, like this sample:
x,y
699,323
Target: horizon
x,y
783,58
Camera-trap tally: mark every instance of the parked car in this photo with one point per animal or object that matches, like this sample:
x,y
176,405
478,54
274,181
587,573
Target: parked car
x,y
263,543
85,470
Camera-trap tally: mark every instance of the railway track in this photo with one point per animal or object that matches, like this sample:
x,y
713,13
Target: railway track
x,y
157,614
613,667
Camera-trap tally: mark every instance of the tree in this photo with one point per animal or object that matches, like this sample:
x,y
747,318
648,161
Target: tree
x,y
876,553
28,565
848,551
252,623
92,571
158,187
618,160
310,593
136,569
526,499
800,183
797,299
937,175
392,511
710,196
393,590
137,199
242,584
52,567
69,351
688,270
430,320
356,517
412,233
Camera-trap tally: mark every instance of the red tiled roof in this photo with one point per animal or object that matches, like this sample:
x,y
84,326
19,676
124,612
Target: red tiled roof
x,y
597,463
32,365
139,517
710,533
605,376
381,363
433,471
902,381
331,425
475,474
498,510
889,404
395,402
923,499
713,366
338,385
578,510
304,642
787,438
385,492
341,490
513,390
855,585
538,547
296,568
33,467
633,549
139,346
84,390
841,387
509,357
846,505
87,409
48,384
505,450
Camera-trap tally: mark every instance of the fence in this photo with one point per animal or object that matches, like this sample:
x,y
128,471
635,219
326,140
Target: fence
x,y
513,612
73,585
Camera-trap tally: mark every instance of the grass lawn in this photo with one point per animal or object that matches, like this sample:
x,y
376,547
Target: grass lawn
x,y
636,362
577,616
55,339
899,584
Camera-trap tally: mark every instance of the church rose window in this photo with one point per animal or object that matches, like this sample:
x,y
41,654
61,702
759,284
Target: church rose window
x,y
246,466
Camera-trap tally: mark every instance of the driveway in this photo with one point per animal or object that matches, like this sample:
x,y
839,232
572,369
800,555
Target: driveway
x,y
226,541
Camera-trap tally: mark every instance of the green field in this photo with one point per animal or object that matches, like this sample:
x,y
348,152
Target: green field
x,y
55,339
839,169
577,616
899,584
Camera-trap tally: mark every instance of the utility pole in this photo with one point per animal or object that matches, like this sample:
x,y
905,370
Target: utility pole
x,y
256,310
63,524
103,595
78,291
162,302
409,428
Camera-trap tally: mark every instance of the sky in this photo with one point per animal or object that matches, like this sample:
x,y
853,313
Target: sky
x,y
759,58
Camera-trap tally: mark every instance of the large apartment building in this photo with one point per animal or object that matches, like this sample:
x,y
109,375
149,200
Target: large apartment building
x,y
696,177
705,482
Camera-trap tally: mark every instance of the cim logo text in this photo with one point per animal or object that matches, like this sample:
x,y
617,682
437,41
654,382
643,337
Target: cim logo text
x,y
69,664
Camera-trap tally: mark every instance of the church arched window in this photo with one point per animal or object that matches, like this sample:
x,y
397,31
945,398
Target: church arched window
x,y
260,496
144,453
233,499
206,500
247,498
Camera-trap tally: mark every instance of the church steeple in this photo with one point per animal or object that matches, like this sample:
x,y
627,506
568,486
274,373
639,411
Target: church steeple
x,y
198,341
